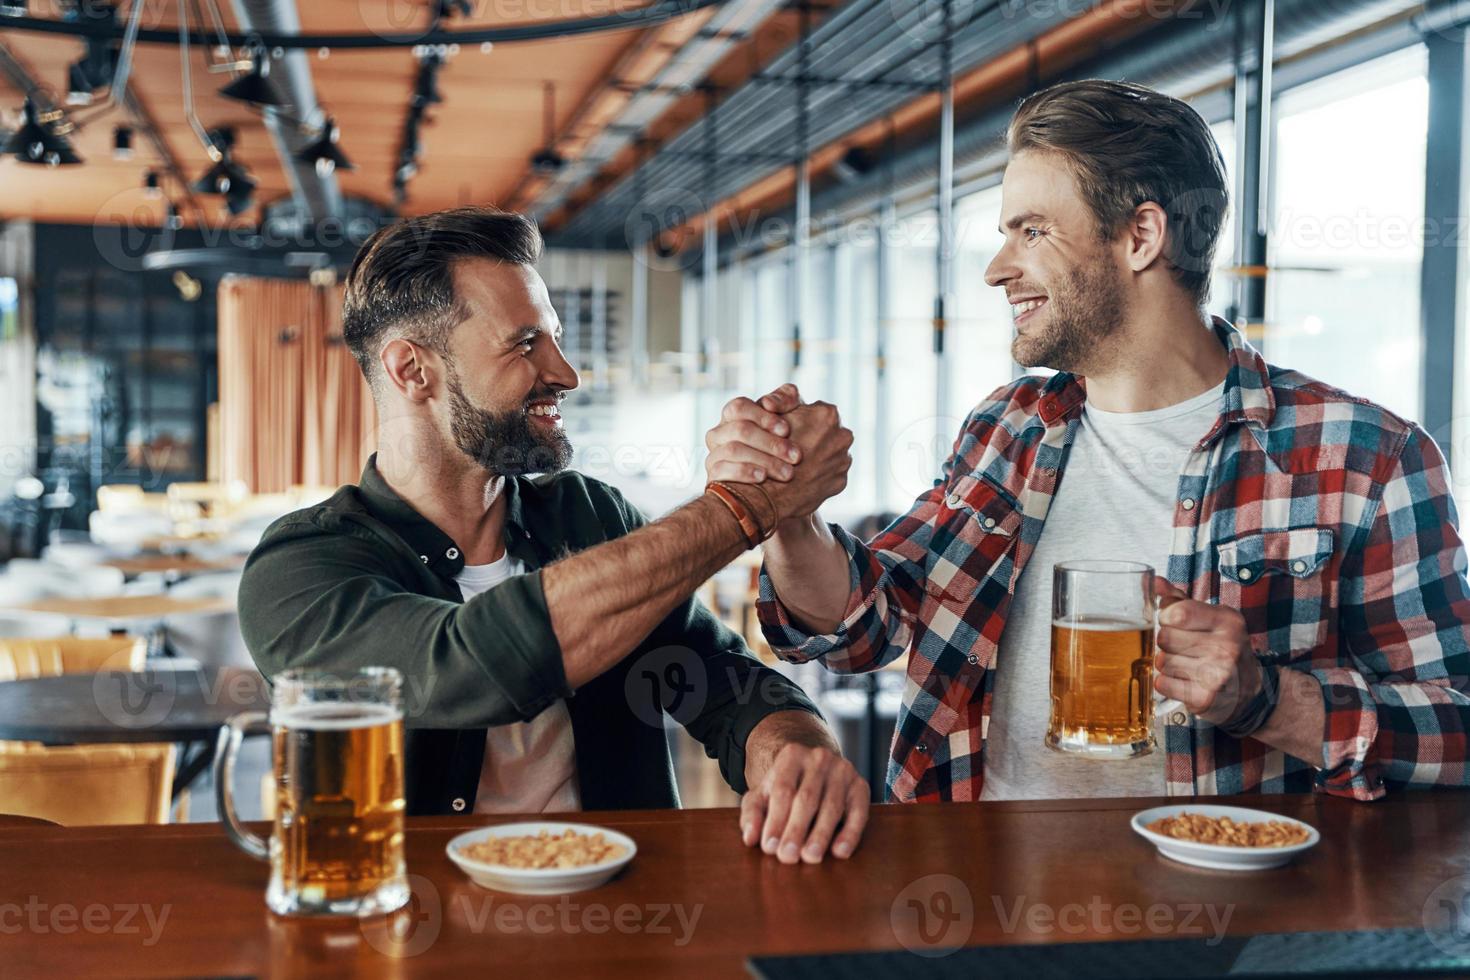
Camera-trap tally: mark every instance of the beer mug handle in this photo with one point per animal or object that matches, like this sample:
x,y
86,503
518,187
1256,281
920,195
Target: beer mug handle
x,y
230,735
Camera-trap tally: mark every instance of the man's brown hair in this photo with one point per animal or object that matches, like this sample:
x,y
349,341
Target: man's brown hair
x,y
1127,145
402,280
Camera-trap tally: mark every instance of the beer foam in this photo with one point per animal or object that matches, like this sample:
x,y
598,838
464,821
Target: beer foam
x,y
1102,624
334,716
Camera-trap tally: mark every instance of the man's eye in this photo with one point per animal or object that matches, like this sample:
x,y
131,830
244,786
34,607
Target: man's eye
x,y
1032,234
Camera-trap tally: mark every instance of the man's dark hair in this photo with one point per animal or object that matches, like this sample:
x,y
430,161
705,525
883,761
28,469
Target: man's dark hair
x,y
402,280
1127,145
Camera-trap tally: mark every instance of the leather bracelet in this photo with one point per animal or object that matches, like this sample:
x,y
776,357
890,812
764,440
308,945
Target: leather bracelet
x,y
1249,719
736,506
768,527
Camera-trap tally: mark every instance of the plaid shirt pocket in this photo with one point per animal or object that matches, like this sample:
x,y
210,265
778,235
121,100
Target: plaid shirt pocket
x,y
975,529
1279,581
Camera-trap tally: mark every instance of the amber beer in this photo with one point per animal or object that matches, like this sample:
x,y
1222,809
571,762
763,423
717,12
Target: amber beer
x,y
1102,659
336,846
339,804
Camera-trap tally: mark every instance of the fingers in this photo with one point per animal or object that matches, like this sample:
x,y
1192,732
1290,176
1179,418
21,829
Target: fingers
x,y
781,784
739,462
855,822
804,807
752,814
1163,587
829,814
1197,617
783,399
744,410
750,434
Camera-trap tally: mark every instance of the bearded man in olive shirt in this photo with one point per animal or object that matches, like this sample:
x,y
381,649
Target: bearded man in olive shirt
x,y
542,626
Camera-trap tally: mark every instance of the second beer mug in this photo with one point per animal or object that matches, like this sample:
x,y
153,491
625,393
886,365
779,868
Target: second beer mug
x,y
337,742
1102,659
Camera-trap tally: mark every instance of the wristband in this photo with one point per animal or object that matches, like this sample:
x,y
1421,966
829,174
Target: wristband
x,y
1253,714
748,525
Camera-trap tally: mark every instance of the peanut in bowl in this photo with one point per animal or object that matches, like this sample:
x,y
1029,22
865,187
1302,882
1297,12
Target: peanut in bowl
x,y
1226,838
541,857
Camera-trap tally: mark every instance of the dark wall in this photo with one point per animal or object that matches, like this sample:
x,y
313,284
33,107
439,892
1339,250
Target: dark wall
x,y
126,366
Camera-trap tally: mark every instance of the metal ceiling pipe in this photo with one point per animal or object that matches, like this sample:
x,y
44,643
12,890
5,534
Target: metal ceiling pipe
x,y
317,196
1178,56
687,68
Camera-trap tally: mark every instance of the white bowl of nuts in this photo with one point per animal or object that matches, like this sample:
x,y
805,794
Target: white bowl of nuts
x,y
1226,838
541,857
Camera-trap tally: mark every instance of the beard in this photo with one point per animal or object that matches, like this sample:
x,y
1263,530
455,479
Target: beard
x,y
506,443
1087,309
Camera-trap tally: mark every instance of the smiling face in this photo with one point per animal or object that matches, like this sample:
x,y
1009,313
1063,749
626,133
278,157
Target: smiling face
x,y
1065,285
505,375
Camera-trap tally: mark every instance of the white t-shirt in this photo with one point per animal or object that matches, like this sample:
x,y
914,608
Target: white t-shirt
x,y
530,766
1116,500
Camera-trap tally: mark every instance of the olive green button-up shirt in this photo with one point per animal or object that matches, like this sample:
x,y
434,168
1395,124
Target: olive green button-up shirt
x,y
362,579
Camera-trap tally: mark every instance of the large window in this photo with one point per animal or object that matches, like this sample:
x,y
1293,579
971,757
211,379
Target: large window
x,y
1343,297
918,440
979,343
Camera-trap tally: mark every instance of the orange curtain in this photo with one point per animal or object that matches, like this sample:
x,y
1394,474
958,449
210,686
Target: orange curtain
x,y
294,408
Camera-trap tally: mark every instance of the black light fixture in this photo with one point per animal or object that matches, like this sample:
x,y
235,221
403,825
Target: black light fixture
x,y
255,87
324,151
226,178
175,220
37,141
94,70
122,143
426,86
546,161
152,187
853,164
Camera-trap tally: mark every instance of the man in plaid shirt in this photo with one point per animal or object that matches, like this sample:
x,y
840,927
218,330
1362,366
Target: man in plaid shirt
x,y
1319,640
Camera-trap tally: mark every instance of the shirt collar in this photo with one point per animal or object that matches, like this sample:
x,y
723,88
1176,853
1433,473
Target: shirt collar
x,y
1247,397
435,548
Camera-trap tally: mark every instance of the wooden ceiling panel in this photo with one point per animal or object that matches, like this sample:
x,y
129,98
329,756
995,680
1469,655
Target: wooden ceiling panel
x,y
477,143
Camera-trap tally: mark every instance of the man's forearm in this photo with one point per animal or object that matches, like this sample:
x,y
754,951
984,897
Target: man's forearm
x,y
604,601
808,569
1297,724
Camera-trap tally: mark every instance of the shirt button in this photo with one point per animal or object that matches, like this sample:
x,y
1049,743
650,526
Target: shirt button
x,y
1177,718
1244,573
989,523
921,749
452,554
458,804
952,501
1187,504
1298,566
973,659
424,559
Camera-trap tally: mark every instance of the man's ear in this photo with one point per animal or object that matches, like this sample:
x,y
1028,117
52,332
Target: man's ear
x,y
1146,235
410,370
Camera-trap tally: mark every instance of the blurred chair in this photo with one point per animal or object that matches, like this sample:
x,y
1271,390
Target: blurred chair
x,y
77,554
50,657
30,626
87,785
128,498
212,638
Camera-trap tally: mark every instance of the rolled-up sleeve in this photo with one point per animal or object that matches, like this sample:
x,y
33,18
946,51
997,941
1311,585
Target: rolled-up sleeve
x,y
331,602
1398,713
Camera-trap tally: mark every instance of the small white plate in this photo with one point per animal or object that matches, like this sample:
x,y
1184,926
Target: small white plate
x,y
1220,856
538,881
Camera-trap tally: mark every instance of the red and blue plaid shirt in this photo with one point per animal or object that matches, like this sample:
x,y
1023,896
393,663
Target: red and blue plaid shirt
x,y
1325,519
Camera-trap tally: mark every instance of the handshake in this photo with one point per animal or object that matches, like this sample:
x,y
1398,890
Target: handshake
x,y
797,453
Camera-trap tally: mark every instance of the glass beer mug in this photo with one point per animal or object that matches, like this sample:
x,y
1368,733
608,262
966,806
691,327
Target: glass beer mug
x,y
336,847
1102,659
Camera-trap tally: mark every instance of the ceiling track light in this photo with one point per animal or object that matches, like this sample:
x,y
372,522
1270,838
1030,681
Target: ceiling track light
x,y
122,143
255,87
226,178
95,68
546,160
325,153
40,140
